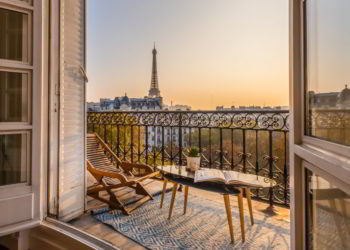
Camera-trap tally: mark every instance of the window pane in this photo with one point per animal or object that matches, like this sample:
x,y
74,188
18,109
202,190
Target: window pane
x,y
13,158
327,70
13,97
13,35
327,214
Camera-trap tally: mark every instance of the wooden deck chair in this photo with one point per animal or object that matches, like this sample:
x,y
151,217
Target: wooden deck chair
x,y
112,174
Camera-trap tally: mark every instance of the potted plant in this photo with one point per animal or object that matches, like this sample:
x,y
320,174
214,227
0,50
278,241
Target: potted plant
x,y
193,159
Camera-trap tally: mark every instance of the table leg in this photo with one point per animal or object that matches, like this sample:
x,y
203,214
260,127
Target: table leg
x,y
172,199
185,199
249,199
163,193
229,215
241,213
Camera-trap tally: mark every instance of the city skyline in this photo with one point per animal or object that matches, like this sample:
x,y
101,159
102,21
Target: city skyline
x,y
247,66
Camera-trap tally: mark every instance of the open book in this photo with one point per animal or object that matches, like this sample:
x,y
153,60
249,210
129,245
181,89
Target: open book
x,y
229,177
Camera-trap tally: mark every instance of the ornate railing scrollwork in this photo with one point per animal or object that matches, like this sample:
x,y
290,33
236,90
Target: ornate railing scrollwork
x,y
268,120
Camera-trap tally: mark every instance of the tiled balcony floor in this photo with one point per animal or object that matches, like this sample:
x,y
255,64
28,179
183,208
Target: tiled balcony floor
x,y
90,225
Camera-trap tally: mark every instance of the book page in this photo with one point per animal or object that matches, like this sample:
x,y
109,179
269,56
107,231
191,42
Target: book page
x,y
209,175
231,176
234,177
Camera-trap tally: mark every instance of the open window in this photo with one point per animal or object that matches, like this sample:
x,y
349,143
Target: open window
x,y
21,117
320,101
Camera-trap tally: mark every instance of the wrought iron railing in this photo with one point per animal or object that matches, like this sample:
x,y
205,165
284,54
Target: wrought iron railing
x,y
332,124
248,141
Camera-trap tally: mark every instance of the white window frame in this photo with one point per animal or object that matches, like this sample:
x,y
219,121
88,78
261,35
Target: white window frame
x,y
317,142
329,159
28,10
4,190
329,151
27,124
31,191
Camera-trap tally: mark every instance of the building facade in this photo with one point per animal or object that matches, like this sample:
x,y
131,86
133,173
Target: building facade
x,y
336,100
125,103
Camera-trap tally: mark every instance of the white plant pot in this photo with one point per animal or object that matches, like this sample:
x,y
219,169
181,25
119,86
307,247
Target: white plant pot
x,y
193,163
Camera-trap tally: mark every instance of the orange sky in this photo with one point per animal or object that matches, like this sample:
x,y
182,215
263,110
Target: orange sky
x,y
210,53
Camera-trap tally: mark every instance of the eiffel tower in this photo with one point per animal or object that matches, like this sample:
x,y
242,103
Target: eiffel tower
x,y
154,89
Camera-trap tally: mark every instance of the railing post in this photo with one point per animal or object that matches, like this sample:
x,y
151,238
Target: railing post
x,y
270,168
138,143
180,139
285,170
162,145
200,143
124,142
154,147
171,145
221,151
244,156
232,162
105,133
131,144
146,146
270,209
118,141
210,148
257,167
111,136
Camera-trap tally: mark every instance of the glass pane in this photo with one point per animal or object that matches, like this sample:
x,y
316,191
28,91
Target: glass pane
x,y
13,97
13,158
327,214
328,74
13,35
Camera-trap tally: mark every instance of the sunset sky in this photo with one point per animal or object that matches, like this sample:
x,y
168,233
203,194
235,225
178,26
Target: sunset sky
x,y
210,53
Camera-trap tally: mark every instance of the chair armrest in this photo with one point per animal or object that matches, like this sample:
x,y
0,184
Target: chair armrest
x,y
151,175
99,174
136,169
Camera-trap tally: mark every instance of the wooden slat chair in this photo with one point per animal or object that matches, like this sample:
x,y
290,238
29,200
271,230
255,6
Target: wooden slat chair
x,y
112,174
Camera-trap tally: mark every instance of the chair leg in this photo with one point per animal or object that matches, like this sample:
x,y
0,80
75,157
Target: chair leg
x,y
163,193
229,216
249,199
141,190
113,202
185,199
241,213
175,185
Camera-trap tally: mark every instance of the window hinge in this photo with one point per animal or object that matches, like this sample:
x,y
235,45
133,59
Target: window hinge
x,y
83,72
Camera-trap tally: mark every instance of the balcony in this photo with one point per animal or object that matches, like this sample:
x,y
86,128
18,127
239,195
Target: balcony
x,y
247,141
253,142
